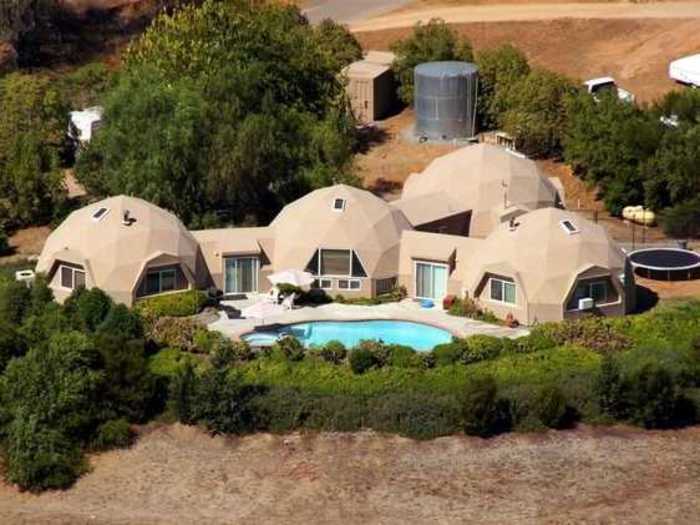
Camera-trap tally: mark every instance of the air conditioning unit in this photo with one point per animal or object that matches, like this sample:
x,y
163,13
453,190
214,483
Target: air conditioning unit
x,y
25,276
586,303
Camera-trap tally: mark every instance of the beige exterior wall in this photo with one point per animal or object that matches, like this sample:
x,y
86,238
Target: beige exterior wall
x,y
371,98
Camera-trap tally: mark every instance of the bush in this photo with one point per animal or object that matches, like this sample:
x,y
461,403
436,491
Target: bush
x,y
656,401
596,333
289,348
332,352
180,304
15,299
610,389
430,42
401,356
414,415
88,308
449,353
682,220
481,347
551,408
339,44
123,322
469,308
115,433
4,242
230,352
178,332
41,458
483,413
12,344
362,359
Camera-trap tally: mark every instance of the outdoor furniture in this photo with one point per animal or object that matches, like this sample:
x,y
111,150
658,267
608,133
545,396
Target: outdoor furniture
x,y
288,302
274,295
293,277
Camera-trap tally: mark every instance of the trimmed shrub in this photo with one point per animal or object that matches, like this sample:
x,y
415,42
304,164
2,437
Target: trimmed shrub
x,y
289,348
179,332
403,357
481,347
449,353
535,341
332,352
414,415
180,304
115,433
483,413
551,408
362,359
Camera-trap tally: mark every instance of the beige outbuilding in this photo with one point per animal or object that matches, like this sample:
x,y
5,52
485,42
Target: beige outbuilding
x,y
493,183
548,265
370,86
346,236
126,246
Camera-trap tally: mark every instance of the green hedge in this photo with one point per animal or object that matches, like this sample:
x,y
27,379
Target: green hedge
x,y
180,304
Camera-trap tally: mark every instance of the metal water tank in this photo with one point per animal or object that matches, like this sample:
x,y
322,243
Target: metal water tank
x,y
445,100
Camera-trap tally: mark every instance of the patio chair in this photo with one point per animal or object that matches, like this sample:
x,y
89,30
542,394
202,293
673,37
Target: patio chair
x,y
274,295
288,302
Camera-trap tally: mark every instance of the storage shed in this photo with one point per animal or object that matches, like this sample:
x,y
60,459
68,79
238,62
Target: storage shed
x,y
371,87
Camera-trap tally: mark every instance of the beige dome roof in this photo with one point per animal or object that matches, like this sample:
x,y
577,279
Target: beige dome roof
x,y
115,254
367,224
543,257
489,180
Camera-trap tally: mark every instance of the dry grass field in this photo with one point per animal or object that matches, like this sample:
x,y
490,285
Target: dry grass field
x,y
177,474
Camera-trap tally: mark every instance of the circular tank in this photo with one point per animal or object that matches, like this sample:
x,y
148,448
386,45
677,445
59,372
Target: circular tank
x,y
445,100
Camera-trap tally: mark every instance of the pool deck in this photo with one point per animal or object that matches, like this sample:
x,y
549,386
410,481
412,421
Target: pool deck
x,y
406,310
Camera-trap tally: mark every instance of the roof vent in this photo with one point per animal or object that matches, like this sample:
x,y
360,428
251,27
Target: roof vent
x,y
127,219
339,204
100,214
569,227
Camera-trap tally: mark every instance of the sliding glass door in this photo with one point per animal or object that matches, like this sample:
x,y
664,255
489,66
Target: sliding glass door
x,y
431,280
241,275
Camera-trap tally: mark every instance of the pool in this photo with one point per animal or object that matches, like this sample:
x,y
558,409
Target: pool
x,y
316,333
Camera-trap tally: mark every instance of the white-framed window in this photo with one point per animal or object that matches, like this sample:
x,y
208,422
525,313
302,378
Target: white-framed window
x,y
349,284
599,289
100,214
502,291
71,277
430,280
336,263
325,284
569,227
159,281
339,204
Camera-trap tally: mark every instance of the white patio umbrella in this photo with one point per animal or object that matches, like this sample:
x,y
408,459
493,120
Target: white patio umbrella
x,y
294,277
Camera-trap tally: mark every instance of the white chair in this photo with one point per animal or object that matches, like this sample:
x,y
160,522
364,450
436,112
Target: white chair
x,y
288,302
273,295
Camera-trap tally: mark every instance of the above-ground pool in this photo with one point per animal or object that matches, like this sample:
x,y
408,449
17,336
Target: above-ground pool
x,y
670,264
316,333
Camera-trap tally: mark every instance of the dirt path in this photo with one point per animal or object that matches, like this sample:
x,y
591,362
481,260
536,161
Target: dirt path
x,y
524,12
179,475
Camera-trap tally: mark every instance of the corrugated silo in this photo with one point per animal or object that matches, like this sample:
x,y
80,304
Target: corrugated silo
x,y
445,100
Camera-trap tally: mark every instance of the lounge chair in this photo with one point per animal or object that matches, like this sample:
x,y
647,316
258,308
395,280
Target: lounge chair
x,y
288,302
274,295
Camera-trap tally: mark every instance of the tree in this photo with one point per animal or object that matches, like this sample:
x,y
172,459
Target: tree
x,y
499,70
4,242
12,344
682,220
430,42
15,299
122,322
229,107
610,389
655,399
482,411
32,140
606,142
338,43
88,308
535,113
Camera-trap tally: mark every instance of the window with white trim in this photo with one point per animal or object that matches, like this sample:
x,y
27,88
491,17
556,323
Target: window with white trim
x,y
324,284
502,291
349,284
601,290
339,204
100,214
71,277
569,227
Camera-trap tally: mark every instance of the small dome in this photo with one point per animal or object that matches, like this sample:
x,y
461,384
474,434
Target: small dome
x,y
340,217
114,239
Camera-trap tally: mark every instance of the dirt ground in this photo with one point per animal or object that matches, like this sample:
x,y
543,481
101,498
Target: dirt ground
x,y
178,474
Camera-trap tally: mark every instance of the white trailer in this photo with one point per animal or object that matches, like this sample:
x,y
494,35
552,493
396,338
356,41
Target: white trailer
x,y
686,70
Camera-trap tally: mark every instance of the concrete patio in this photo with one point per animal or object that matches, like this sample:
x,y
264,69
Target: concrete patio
x,y
406,310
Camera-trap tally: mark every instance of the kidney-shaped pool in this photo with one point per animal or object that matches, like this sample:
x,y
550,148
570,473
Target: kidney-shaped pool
x,y
316,333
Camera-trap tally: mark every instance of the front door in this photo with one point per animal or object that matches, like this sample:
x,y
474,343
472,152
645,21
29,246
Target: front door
x,y
431,280
241,275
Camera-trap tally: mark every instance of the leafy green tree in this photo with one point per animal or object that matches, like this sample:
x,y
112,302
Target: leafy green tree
x,y
430,42
32,139
536,114
12,344
39,326
682,220
499,70
122,322
231,107
40,295
88,308
338,43
15,300
655,399
606,142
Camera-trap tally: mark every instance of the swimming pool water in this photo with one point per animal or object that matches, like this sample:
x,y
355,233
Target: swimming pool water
x,y
350,333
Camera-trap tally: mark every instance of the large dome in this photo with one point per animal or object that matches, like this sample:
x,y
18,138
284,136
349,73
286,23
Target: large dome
x,y
489,180
115,251
340,217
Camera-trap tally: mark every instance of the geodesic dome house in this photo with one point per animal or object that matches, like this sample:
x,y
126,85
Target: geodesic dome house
x,y
347,237
495,184
548,265
126,246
